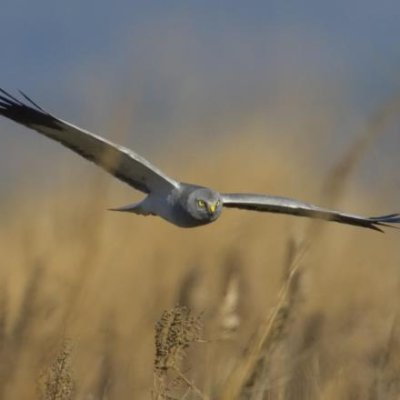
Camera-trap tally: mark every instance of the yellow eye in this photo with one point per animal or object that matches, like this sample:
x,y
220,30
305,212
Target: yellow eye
x,y
218,202
201,203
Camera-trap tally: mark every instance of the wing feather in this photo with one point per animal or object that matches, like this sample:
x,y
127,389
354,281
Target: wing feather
x,y
283,205
119,161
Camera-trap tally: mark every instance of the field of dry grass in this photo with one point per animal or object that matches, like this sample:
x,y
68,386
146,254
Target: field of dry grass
x,y
99,305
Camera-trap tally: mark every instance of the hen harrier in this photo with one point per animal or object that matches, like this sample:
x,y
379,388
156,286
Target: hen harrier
x,y
182,204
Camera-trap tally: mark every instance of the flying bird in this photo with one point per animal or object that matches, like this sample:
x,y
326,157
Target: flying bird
x,y
185,205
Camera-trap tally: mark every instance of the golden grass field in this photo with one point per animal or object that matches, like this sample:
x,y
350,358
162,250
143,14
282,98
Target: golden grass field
x,y
279,308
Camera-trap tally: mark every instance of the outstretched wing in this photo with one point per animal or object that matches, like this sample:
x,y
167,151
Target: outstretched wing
x,y
119,161
284,205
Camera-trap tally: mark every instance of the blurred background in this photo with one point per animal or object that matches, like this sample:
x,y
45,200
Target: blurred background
x,y
200,70
300,99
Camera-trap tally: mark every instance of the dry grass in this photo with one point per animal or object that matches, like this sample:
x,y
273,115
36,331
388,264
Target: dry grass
x,y
288,309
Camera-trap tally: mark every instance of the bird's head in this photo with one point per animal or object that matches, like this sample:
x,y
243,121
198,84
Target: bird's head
x,y
204,204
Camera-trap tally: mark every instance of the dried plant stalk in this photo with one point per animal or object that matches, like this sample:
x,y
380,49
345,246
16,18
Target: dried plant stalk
x,y
268,335
57,382
175,331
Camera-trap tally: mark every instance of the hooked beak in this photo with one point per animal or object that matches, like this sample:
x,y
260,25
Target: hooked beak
x,y
212,208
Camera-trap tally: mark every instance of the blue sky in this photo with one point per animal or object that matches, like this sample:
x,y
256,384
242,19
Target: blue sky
x,y
45,42
178,64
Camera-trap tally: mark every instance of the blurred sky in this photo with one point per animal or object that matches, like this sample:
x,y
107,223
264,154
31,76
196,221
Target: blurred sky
x,y
185,65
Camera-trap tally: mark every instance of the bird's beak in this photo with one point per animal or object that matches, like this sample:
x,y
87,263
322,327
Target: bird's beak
x,y
212,208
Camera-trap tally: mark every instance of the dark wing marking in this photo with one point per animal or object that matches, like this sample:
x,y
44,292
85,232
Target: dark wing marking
x,y
117,160
284,205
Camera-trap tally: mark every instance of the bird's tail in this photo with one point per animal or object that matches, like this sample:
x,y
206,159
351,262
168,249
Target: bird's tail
x,y
137,208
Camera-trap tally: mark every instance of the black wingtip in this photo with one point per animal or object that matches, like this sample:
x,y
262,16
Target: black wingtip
x,y
385,221
29,113
31,101
8,98
391,218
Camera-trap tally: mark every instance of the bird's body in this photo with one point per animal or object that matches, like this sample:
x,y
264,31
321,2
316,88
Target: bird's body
x,y
176,206
184,205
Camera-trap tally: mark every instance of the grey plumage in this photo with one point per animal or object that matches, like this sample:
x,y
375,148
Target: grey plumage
x,y
118,160
182,204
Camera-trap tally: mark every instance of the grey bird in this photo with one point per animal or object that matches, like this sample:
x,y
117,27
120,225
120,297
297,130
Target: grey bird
x,y
182,204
